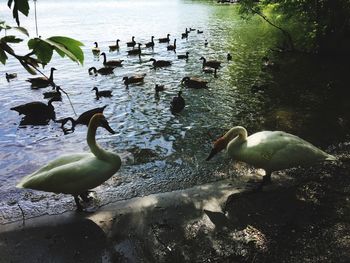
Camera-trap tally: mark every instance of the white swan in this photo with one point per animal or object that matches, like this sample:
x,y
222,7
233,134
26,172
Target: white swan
x,y
76,173
270,150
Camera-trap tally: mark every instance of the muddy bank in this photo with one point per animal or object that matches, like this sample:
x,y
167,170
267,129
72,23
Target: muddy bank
x,y
304,216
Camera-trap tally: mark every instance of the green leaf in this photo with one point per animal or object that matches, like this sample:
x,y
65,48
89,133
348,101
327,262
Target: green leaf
x,y
19,6
32,43
3,25
44,52
11,39
67,46
41,49
3,56
22,30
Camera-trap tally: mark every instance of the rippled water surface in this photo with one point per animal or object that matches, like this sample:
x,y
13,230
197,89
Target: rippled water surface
x,y
160,151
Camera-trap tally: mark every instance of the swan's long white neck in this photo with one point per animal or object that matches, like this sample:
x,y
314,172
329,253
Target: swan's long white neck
x,y
239,131
94,147
235,137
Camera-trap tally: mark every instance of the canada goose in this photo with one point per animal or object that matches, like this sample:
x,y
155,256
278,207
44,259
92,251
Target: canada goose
x,y
164,40
114,47
210,63
158,88
199,32
53,94
10,76
37,110
150,44
102,93
172,47
160,63
185,35
76,173
183,56
96,50
177,104
270,150
101,71
84,119
42,82
206,43
111,63
132,43
136,51
192,29
194,83
134,79
210,71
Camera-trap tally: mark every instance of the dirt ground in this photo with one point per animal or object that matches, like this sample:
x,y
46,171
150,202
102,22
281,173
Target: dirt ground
x,y
303,216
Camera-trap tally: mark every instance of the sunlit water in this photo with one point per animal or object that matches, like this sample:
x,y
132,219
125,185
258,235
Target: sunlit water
x,y
160,151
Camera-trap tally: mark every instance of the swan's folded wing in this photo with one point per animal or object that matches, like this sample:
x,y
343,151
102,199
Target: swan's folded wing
x,y
62,160
59,162
73,177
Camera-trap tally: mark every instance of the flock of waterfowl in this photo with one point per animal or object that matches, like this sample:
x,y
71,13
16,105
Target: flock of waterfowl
x,y
40,113
77,173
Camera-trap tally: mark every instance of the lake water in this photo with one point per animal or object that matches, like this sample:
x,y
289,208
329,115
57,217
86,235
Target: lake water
x,y
161,151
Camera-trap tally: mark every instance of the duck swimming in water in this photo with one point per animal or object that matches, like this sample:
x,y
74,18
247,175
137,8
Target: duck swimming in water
x,y
102,93
42,82
37,110
111,63
177,104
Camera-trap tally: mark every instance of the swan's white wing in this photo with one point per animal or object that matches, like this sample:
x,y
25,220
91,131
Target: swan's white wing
x,y
62,160
73,177
279,150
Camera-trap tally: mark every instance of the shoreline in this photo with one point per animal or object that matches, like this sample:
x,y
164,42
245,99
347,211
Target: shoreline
x,y
215,222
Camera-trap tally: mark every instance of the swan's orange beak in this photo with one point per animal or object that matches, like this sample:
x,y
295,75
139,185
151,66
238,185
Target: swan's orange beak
x,y
218,146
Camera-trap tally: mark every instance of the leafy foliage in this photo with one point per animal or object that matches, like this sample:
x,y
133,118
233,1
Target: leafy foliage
x,y
319,21
42,49
18,6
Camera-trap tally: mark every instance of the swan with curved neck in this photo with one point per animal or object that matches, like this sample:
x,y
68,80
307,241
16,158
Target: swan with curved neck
x,y
76,173
270,150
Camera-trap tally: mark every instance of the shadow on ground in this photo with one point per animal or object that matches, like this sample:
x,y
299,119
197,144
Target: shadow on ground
x,y
304,221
